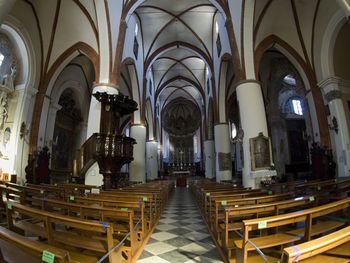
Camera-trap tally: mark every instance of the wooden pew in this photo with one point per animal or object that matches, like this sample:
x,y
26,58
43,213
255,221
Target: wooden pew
x,y
217,204
137,206
198,186
235,215
85,235
151,211
307,217
209,195
334,247
30,192
37,249
121,218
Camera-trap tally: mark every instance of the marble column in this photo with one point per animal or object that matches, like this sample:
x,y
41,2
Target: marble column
x,y
152,160
95,108
138,165
223,152
332,92
21,127
93,176
253,121
209,152
5,8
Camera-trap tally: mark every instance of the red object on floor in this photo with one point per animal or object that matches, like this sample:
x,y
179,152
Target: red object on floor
x,y
181,182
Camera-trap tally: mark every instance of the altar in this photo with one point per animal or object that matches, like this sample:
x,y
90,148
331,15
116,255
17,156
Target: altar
x,y
181,177
181,173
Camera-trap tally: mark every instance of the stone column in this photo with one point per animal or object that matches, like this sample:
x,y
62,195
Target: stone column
x,y
253,121
152,159
345,5
332,93
138,165
95,108
24,109
93,176
209,152
5,8
223,152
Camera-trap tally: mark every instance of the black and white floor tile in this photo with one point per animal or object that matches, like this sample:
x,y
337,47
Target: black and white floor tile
x,y
181,236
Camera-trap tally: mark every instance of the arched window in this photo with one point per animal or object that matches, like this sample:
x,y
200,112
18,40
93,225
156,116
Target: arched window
x,y
1,59
136,29
195,144
233,131
297,107
290,80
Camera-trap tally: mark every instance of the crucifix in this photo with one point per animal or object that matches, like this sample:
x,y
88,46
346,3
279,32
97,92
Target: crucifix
x,y
181,152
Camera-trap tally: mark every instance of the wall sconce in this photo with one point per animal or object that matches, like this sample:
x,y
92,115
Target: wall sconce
x,y
335,125
23,130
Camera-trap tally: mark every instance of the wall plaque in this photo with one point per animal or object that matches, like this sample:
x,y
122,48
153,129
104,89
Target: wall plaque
x,y
260,152
224,160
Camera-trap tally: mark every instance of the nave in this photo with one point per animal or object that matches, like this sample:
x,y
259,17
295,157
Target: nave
x,y
181,234
300,221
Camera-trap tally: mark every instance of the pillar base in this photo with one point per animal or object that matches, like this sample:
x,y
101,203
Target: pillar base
x,y
254,178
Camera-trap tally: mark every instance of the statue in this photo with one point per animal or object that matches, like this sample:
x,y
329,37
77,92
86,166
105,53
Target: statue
x,y
4,143
8,80
3,108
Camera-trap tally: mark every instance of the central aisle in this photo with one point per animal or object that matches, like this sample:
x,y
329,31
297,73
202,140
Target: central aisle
x,y
181,236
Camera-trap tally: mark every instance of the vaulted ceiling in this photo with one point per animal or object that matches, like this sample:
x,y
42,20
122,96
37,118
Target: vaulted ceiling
x,y
178,47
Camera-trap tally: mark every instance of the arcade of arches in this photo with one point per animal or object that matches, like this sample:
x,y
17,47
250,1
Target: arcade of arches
x,y
211,79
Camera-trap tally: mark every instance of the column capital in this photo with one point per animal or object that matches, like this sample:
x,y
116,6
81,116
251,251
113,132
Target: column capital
x,y
218,124
247,81
332,81
331,88
151,141
137,125
55,106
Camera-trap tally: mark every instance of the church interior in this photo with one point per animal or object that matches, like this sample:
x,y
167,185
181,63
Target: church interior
x,y
159,131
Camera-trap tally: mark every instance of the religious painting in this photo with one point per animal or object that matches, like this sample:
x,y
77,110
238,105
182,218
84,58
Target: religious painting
x,y
224,160
260,152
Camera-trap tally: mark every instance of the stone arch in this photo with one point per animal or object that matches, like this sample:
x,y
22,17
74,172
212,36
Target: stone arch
x,y
37,131
316,104
223,86
289,131
328,41
22,82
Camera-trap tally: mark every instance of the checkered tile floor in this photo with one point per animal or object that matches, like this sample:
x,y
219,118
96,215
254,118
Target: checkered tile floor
x,y
181,236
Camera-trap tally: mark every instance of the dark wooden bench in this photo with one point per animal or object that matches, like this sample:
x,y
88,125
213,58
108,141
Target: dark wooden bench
x,y
334,247
307,218
137,206
218,204
235,215
36,250
74,234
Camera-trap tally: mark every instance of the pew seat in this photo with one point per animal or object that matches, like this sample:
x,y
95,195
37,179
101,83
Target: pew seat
x,y
36,249
332,248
